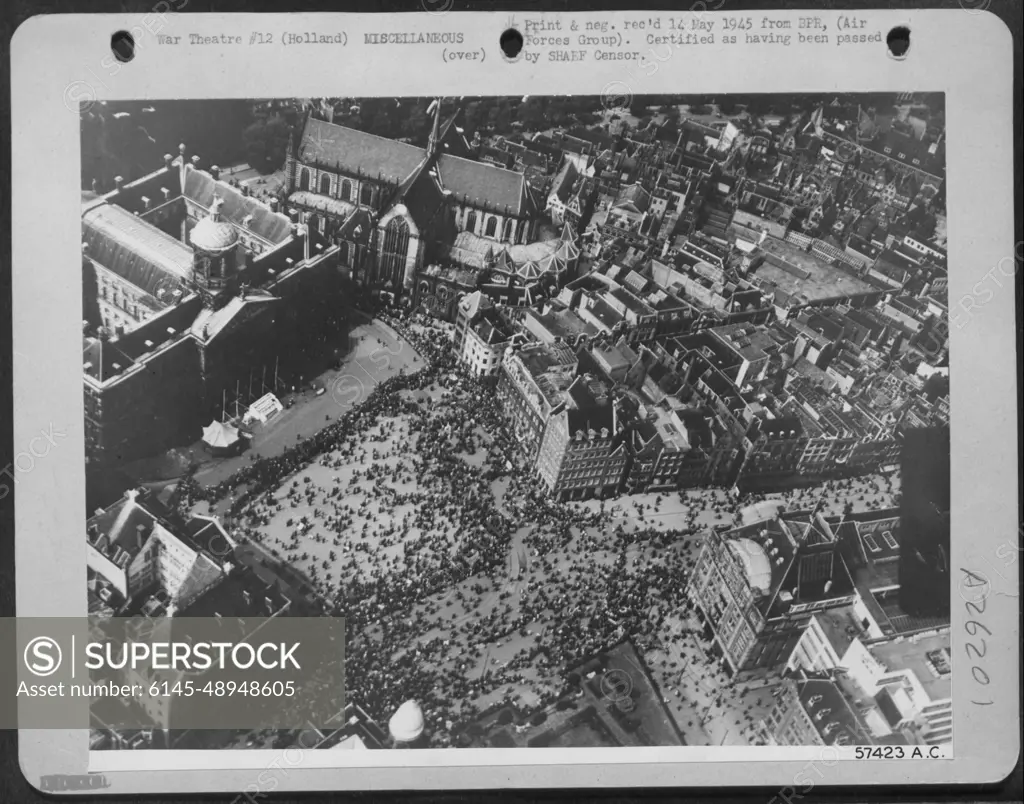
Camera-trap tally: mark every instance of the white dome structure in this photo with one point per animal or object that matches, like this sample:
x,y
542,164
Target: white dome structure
x,y
213,233
756,565
406,725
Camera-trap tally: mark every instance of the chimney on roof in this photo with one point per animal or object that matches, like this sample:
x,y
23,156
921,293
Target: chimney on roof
x,y
274,204
245,190
293,215
166,193
146,203
215,172
167,160
96,186
118,181
195,160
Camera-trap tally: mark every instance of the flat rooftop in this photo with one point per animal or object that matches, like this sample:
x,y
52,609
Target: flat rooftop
x,y
818,279
928,657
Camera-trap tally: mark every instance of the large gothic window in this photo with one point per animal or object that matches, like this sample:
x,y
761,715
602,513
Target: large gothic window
x,y
509,231
346,190
395,251
325,184
366,195
471,222
492,226
304,179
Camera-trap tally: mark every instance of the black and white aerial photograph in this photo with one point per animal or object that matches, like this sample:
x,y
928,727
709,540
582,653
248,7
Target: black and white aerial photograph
x,y
601,424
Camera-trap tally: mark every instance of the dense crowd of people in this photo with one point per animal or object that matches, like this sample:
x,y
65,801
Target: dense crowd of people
x,y
455,594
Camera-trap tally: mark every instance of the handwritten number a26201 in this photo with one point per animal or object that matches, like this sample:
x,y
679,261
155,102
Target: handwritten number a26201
x,y
972,580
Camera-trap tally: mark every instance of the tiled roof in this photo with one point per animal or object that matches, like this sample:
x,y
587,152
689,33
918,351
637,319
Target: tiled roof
x,y
136,250
120,526
322,203
355,151
479,181
635,196
563,182
358,152
201,188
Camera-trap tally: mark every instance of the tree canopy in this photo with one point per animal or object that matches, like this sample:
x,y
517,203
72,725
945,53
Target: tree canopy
x,y
266,143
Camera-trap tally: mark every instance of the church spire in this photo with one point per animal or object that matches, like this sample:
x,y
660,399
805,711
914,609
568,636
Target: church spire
x,y
434,143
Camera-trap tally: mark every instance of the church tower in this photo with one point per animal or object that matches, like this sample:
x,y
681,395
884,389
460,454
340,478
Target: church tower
x,y
434,141
216,255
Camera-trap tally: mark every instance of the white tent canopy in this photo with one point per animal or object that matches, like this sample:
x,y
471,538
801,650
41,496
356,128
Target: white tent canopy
x,y
220,435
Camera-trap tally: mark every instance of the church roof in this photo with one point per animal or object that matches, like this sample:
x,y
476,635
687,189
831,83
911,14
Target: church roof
x,y
534,252
322,203
360,222
357,152
471,249
202,188
483,182
421,196
453,139
135,250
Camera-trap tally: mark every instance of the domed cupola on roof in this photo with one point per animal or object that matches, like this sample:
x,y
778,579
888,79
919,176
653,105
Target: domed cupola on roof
x,y
215,254
213,233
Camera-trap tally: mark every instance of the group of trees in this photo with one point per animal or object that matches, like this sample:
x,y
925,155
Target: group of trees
x,y
533,113
265,142
410,119
394,118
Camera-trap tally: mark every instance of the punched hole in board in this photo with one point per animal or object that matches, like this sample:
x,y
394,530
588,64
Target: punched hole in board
x,y
122,44
511,42
898,41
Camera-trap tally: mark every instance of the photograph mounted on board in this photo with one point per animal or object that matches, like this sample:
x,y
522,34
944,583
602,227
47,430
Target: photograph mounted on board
x,y
601,425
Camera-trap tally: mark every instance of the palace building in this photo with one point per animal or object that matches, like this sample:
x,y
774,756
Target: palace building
x,y
196,291
192,289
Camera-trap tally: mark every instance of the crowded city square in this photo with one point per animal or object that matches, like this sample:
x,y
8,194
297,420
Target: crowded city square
x,y
464,585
